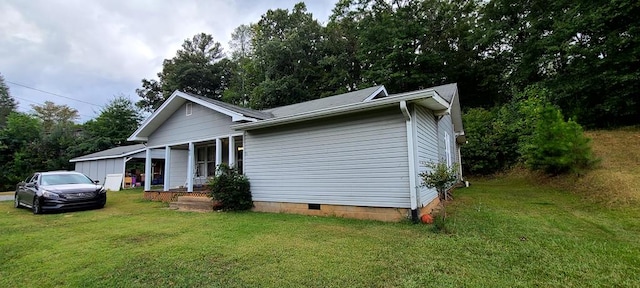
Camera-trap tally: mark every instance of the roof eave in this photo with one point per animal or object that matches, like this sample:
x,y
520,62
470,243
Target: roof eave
x,y
420,97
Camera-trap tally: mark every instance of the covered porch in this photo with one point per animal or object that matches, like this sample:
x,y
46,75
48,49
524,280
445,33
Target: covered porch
x,y
189,166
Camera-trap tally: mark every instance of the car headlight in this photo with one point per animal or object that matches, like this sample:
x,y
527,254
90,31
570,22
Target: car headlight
x,y
50,194
102,190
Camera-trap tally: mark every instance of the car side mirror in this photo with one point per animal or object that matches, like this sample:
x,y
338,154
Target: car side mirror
x,y
30,185
96,181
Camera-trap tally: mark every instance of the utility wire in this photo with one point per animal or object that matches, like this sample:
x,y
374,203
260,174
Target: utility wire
x,y
34,102
51,93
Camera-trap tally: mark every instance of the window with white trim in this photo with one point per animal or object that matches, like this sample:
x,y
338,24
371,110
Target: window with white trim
x,y
205,161
447,149
189,109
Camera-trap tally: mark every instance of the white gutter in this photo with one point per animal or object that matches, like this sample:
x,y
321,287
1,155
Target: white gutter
x,y
349,108
413,192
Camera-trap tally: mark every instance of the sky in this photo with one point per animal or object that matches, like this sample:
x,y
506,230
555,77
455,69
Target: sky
x,y
83,53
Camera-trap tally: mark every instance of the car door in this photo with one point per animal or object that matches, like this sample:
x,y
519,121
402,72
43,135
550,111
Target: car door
x,y
21,189
30,189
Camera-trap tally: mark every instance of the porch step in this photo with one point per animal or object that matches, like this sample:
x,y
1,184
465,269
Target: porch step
x,y
192,203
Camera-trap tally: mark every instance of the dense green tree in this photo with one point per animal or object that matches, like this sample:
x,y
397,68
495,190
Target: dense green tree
x,y
18,143
115,123
286,55
7,103
198,68
584,52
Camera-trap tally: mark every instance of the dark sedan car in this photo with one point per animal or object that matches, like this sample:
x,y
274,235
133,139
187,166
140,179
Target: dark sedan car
x,y
59,190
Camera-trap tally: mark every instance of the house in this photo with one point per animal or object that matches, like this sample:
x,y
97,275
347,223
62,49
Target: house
x,y
356,154
119,160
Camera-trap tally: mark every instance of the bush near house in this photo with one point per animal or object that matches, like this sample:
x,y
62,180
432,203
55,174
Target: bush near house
x,y
231,189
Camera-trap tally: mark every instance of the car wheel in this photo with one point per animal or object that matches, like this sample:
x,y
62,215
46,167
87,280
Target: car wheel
x,y
37,207
16,202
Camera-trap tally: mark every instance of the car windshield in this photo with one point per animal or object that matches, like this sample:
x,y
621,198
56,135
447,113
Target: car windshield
x,y
61,179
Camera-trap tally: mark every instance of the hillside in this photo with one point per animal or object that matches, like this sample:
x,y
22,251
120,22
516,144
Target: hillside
x,y
615,180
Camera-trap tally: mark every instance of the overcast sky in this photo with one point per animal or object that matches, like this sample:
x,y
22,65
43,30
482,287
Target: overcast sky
x,y
92,50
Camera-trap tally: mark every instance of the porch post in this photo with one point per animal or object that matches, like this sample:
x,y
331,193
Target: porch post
x,y
232,151
218,152
190,166
147,169
167,168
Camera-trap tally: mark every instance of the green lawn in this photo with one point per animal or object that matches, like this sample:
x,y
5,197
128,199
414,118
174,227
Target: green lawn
x,y
505,233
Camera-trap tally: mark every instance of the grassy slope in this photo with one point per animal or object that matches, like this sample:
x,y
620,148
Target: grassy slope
x,y
507,232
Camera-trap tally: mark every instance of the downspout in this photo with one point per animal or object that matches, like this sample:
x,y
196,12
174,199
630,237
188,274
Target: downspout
x,y
413,193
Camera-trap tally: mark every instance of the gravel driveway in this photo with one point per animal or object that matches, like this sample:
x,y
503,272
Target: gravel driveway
x,y
6,197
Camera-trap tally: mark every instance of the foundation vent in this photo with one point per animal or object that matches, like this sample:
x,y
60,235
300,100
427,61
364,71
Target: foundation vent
x,y
314,206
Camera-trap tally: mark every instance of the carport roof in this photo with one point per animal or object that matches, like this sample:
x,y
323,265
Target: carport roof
x,y
116,152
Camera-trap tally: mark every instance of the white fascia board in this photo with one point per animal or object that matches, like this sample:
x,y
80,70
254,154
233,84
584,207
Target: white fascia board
x,y
107,156
375,93
136,135
344,109
235,117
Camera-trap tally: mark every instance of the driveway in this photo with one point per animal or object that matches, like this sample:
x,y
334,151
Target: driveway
x,y
6,197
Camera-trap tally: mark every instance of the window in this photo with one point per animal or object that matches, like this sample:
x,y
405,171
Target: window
x,y
205,161
189,109
447,149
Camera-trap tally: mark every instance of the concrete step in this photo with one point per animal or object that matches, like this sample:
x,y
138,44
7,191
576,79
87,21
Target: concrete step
x,y
193,203
194,199
192,206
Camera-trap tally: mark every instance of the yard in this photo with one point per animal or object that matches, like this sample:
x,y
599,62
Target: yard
x,y
506,232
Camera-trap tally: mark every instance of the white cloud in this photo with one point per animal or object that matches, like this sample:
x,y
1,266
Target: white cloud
x,y
94,49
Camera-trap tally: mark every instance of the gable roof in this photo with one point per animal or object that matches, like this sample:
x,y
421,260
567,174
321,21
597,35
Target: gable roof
x,y
331,101
175,101
115,152
428,98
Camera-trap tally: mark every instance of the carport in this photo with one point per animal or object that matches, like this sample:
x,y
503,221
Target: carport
x,y
125,160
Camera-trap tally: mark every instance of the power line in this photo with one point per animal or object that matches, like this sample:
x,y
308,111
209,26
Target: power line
x,y
34,102
51,93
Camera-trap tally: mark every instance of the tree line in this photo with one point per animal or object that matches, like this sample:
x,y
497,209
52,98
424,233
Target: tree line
x,y
48,137
585,53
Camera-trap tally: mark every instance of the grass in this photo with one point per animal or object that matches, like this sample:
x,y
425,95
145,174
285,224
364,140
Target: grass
x,y
505,233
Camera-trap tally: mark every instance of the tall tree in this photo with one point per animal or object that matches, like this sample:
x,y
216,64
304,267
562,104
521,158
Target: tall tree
x,y
18,141
584,52
286,55
7,103
51,114
196,68
116,122
240,82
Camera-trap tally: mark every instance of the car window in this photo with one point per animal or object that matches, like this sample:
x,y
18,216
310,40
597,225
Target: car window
x,y
62,179
34,179
29,178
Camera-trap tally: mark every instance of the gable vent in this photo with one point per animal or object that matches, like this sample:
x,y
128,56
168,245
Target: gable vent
x,y
189,109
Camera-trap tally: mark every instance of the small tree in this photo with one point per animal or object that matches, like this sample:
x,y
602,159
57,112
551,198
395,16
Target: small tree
x,y
231,189
442,177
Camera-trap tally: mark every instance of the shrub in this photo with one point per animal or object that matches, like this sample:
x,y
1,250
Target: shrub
x,y
231,189
441,177
557,146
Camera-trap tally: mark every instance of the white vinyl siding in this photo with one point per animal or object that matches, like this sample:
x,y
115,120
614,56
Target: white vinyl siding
x,y
358,160
178,176
446,126
427,149
98,169
203,123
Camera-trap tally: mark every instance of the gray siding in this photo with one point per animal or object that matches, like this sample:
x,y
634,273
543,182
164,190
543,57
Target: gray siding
x,y
202,123
98,169
358,160
179,159
445,125
426,145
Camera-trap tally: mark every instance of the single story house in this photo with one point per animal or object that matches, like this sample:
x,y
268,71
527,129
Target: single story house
x,y
356,154
119,160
